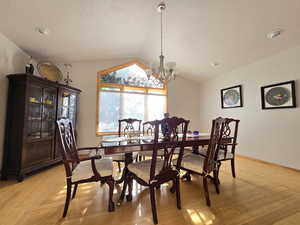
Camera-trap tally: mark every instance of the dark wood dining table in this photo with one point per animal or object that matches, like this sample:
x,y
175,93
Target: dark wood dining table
x,y
116,145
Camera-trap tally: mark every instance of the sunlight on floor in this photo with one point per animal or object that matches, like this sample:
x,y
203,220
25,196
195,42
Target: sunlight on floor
x,y
200,218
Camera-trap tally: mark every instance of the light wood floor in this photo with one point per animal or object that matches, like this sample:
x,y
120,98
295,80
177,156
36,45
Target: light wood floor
x,y
260,195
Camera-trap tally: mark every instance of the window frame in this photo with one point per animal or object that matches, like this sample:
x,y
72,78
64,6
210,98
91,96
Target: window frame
x,y
147,90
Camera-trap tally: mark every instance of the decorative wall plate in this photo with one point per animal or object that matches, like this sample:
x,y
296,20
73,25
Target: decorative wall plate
x,y
50,71
231,97
278,96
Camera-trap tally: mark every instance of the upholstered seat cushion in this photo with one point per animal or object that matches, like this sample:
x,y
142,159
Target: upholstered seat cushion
x,y
192,162
84,169
142,169
221,155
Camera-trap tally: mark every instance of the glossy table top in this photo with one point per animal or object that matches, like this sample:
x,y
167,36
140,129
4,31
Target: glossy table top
x,y
116,144
109,141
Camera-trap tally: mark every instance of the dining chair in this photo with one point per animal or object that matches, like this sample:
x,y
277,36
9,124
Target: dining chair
x,y
148,129
187,150
204,166
156,171
126,126
227,151
85,169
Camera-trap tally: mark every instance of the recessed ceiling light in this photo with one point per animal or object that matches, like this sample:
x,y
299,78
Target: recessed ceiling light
x,y
275,33
42,30
214,64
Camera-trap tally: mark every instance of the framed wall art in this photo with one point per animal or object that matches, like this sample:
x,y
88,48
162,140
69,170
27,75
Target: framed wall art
x,y
278,96
232,97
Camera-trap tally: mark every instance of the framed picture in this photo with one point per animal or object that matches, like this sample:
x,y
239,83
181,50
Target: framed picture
x,y
232,97
278,96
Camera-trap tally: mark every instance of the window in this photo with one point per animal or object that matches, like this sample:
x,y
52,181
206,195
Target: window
x,y
126,92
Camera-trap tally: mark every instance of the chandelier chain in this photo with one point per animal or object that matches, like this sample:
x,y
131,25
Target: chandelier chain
x,y
161,32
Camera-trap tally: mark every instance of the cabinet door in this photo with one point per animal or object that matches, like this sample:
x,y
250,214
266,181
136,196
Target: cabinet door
x,y
49,112
67,108
35,108
39,145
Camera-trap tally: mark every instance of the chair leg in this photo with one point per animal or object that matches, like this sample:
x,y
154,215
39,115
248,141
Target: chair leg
x,y
187,176
233,168
178,193
216,181
173,188
123,190
68,197
119,166
74,191
206,193
130,183
111,204
153,205
218,171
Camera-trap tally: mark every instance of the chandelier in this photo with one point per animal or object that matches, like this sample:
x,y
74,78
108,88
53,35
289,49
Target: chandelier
x,y
163,72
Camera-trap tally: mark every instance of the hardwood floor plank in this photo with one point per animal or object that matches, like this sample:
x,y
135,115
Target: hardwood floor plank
x,y
260,195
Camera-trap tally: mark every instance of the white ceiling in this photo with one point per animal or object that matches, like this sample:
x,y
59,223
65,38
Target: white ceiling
x,y
231,32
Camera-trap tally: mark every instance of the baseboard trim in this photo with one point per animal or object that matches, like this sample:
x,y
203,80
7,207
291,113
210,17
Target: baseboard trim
x,y
268,163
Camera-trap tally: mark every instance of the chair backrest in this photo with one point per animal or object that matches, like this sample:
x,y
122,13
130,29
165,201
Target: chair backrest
x,y
68,145
127,125
231,127
168,145
214,144
148,128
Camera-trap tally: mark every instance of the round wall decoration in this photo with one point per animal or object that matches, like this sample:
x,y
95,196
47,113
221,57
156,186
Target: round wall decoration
x,y
231,97
278,96
50,71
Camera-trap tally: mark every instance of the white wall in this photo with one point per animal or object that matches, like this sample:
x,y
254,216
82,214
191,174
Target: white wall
x,y
182,98
12,60
270,135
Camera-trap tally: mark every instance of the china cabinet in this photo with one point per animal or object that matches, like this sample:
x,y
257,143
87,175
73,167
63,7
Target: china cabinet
x,y
33,106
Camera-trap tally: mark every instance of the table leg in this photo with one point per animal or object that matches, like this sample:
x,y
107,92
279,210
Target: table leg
x,y
128,160
196,149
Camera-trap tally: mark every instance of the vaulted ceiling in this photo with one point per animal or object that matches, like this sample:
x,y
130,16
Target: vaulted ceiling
x,y
198,32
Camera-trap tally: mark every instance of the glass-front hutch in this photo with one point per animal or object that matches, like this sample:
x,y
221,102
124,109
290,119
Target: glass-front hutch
x,y
33,106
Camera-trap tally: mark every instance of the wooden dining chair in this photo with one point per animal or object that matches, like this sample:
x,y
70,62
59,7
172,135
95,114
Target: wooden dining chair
x,y
187,150
204,166
148,129
227,151
156,171
82,169
126,126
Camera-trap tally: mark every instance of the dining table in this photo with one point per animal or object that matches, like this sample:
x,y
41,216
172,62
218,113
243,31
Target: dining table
x,y
127,145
